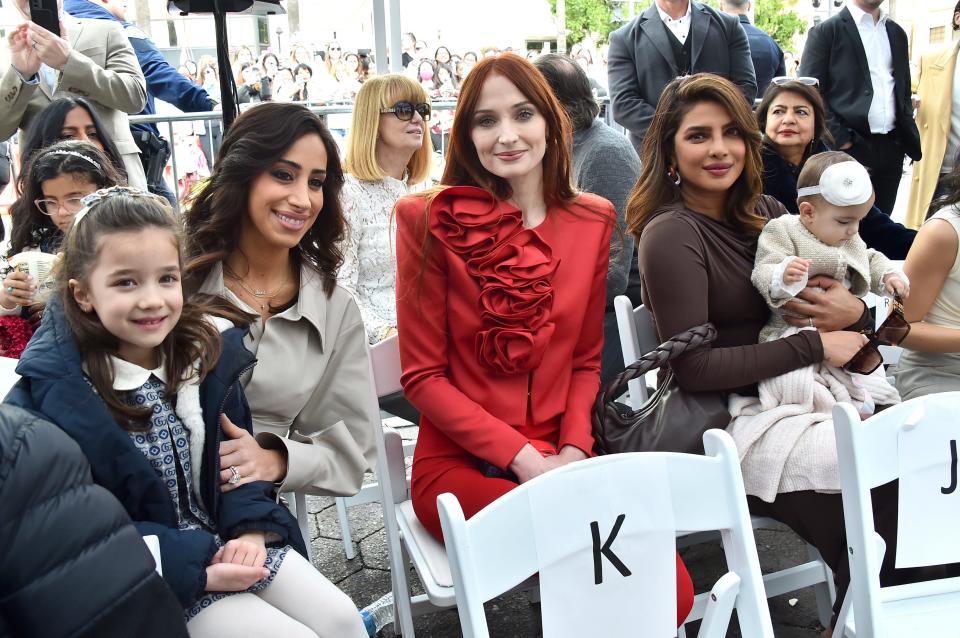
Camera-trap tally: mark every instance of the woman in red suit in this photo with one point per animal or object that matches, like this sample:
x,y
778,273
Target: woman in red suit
x,y
501,279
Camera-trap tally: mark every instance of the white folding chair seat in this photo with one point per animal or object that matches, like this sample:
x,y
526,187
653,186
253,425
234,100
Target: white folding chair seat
x,y
868,452
638,337
706,492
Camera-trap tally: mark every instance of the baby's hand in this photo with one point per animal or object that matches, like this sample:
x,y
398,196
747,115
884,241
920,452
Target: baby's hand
x,y
894,284
796,270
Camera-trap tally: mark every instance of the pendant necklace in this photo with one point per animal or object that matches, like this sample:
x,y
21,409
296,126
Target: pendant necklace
x,y
263,297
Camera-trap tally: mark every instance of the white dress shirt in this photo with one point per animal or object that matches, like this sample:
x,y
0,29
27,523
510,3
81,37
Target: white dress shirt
x,y
882,115
679,27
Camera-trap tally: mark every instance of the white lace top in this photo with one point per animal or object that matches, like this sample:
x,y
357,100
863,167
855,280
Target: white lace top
x,y
369,269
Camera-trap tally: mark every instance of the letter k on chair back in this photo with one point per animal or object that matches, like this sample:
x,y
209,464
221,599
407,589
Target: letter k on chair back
x,y
505,543
914,442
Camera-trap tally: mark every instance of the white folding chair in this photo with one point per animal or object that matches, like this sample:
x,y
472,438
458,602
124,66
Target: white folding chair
x,y
869,457
407,540
8,375
638,337
382,358
706,493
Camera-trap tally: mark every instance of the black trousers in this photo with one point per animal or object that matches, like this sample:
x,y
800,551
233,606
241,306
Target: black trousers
x,y
818,519
883,156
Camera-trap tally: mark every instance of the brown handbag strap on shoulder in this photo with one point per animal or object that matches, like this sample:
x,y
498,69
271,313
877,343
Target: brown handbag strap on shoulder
x,y
655,359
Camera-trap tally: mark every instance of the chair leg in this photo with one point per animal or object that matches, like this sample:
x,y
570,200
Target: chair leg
x,y
345,528
300,503
402,609
825,592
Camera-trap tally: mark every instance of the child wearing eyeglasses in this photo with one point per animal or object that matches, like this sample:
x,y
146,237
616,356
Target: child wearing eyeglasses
x,y
55,180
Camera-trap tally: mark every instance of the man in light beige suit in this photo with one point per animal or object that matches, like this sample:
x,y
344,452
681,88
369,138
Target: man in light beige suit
x,y
938,118
94,61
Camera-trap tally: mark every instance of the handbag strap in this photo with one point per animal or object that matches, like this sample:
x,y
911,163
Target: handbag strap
x,y
655,359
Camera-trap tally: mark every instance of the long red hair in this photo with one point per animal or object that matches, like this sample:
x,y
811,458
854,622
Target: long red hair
x,y
463,167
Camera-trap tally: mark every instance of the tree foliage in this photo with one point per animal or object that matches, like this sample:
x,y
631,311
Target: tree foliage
x,y
780,22
584,17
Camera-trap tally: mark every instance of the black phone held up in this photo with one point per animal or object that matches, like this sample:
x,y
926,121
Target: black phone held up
x,y
45,14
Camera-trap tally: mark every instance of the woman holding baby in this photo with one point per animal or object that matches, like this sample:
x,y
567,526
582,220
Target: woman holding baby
x,y
697,213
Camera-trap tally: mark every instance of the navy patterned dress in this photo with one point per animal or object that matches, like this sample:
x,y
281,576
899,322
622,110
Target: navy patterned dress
x,y
166,445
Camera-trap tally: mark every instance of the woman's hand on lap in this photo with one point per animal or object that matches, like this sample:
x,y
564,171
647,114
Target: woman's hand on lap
x,y
253,462
840,346
834,308
528,463
569,454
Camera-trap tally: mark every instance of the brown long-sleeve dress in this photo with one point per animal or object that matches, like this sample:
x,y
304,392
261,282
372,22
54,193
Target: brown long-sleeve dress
x,y
694,269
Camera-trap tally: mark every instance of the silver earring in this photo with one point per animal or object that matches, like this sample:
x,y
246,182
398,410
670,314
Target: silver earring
x,y
674,176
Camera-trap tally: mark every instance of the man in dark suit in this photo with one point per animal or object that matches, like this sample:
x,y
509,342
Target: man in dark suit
x,y
669,39
766,54
860,57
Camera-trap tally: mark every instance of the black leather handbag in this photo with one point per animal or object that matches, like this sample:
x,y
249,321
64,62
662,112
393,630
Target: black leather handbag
x,y
671,420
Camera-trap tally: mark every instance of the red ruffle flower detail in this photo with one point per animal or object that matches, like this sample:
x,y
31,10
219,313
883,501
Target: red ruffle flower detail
x,y
15,333
514,267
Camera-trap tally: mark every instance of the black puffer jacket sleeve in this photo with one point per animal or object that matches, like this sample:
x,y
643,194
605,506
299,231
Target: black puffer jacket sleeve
x,y
72,562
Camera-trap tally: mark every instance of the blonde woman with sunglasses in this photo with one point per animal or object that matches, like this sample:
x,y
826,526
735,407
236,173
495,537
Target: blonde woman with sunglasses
x,y
388,151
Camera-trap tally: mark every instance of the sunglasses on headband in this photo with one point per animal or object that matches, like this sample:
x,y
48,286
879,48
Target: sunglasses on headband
x,y
891,332
404,110
780,80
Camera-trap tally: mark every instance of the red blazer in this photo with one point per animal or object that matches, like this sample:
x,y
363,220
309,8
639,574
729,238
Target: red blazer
x,y
499,316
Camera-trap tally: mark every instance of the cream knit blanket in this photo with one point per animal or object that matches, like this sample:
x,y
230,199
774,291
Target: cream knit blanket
x,y
785,436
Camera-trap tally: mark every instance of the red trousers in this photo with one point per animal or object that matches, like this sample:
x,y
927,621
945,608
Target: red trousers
x,y
432,477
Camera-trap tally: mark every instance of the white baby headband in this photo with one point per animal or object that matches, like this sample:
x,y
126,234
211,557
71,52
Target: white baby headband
x,y
74,154
842,184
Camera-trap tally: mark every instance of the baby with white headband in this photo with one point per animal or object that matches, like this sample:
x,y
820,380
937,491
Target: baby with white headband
x,y
834,195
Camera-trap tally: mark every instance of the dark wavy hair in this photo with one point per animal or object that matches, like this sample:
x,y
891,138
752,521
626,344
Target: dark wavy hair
x,y
951,191
571,86
193,339
46,128
254,143
30,227
654,188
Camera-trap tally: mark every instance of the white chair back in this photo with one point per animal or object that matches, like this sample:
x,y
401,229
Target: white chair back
x,y
637,337
8,375
868,454
385,359
495,550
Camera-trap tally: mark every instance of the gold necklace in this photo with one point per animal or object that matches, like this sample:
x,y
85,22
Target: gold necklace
x,y
265,295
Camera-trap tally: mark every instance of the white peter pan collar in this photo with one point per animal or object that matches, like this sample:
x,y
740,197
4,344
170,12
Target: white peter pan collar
x,y
130,376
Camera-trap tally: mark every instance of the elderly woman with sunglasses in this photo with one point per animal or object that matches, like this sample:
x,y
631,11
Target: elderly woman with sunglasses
x,y
793,121
388,151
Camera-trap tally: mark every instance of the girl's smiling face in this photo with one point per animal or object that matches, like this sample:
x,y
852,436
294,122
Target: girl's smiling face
x,y
134,288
